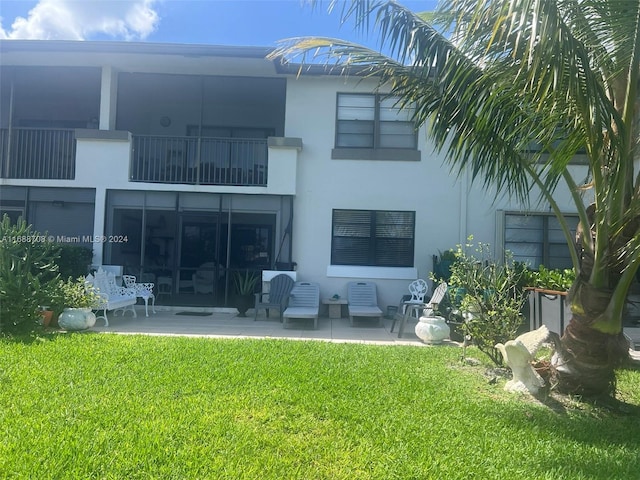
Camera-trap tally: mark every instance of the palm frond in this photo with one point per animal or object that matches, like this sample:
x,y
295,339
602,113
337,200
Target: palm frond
x,y
560,73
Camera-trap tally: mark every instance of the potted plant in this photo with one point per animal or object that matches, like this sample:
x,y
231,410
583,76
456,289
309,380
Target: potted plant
x,y
77,300
245,286
548,291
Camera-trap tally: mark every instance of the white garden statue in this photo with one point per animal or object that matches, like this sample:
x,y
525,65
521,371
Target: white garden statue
x,y
518,355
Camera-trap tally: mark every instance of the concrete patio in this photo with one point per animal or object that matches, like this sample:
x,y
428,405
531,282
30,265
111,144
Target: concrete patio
x,y
225,323
220,322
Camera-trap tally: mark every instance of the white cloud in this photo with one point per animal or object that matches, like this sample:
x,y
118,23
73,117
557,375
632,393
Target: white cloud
x,y
85,19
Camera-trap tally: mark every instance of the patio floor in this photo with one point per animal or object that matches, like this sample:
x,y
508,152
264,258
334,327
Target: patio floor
x,y
222,323
225,323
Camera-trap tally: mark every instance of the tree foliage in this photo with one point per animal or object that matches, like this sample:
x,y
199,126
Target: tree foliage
x,y
491,78
27,270
487,296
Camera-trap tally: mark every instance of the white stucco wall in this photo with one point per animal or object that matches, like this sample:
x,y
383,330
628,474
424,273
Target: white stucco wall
x,y
325,184
448,209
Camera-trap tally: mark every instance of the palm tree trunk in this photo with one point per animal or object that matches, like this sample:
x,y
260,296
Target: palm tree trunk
x,y
586,358
585,361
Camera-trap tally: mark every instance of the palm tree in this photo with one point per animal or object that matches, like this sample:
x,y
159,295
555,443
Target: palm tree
x,y
561,73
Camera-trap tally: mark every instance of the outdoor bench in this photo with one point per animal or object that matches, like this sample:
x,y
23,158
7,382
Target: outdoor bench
x,y
112,296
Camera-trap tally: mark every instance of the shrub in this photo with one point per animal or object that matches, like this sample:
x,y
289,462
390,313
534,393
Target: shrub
x,y
487,297
559,280
442,265
74,260
27,271
245,282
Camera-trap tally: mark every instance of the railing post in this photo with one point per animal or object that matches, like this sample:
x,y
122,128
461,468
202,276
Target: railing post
x,y
198,151
7,162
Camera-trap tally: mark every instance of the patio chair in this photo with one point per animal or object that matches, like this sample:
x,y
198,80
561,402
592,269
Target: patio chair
x,y
362,300
304,302
414,301
277,297
418,290
427,309
143,291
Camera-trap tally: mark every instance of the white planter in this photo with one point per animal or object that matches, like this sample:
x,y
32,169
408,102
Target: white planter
x,y
432,329
76,319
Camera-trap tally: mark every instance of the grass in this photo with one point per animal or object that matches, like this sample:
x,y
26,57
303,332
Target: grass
x,y
108,406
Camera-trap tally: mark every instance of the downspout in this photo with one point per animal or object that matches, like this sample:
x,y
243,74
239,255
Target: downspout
x,y
291,232
464,207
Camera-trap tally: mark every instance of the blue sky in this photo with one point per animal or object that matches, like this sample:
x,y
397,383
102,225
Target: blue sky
x,y
222,22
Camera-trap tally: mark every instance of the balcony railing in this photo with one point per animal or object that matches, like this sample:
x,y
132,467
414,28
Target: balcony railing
x,y
38,153
199,160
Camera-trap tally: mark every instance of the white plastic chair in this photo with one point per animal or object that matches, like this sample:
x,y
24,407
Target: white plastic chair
x,y
418,290
421,309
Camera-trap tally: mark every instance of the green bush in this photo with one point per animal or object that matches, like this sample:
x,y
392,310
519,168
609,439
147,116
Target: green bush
x,y
27,273
71,293
558,280
74,260
442,265
486,297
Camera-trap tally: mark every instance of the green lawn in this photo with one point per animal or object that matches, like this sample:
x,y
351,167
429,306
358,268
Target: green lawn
x,y
105,406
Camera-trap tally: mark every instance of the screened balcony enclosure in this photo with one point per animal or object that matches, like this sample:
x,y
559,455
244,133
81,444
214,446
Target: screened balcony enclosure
x,y
41,108
200,130
186,129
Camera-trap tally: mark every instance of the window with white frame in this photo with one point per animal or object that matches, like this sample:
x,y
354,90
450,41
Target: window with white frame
x,y
374,121
537,239
373,238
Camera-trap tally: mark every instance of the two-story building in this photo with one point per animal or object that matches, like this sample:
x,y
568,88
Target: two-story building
x,y
190,162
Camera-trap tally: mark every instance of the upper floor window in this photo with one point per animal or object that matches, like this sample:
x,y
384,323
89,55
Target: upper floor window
x,y
373,121
378,238
374,127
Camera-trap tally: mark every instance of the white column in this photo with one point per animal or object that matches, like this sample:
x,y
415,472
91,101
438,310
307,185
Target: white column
x,y
98,225
108,98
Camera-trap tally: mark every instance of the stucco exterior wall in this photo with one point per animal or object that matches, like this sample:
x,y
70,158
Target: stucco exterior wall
x,y
325,184
448,209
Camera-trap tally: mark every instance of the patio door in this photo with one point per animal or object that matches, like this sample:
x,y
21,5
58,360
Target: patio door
x,y
201,259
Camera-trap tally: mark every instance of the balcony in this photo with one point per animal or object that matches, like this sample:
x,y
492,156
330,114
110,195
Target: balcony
x,y
114,158
38,153
199,160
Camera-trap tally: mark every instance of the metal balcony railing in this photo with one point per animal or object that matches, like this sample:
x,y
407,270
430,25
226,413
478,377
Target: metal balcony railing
x,y
199,160
38,153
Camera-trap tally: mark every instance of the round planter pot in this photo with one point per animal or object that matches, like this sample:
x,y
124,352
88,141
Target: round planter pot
x,y
76,319
46,315
432,329
244,303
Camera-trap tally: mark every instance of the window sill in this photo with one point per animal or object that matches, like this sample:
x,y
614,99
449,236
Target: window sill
x,y
396,154
392,273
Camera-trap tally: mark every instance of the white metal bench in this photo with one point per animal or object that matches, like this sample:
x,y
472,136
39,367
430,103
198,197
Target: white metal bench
x,y
112,297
